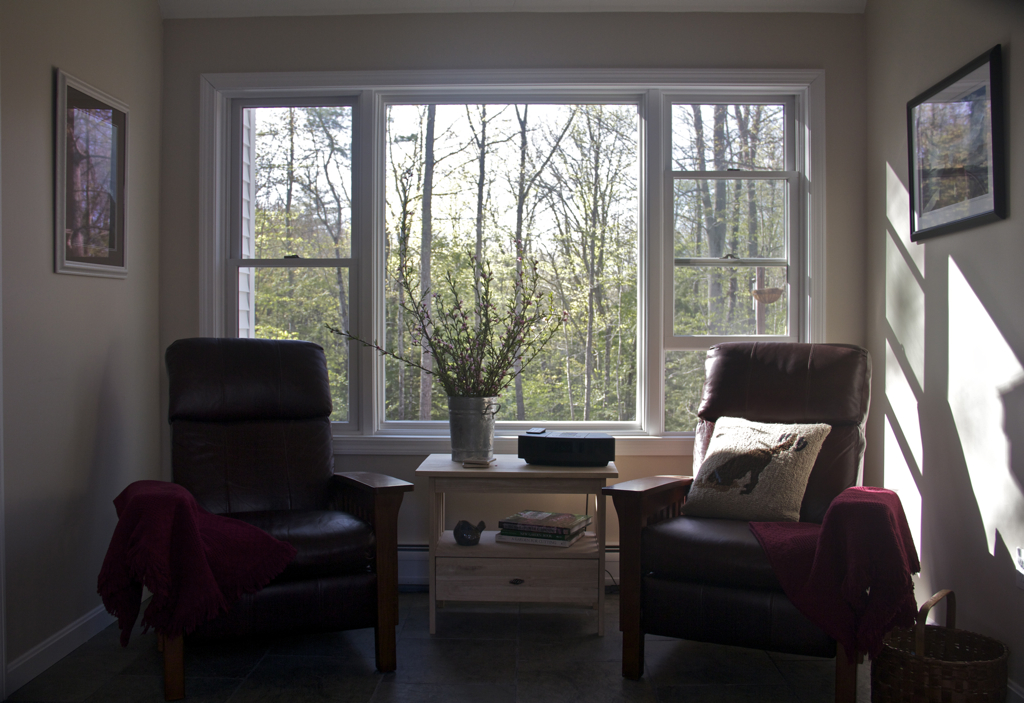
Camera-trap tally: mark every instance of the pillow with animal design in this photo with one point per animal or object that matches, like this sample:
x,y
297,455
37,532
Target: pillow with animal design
x,y
755,471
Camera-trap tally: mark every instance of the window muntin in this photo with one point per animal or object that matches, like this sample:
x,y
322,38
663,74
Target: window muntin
x,y
561,180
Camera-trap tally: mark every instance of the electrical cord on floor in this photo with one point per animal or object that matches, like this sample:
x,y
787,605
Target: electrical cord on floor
x,y
614,588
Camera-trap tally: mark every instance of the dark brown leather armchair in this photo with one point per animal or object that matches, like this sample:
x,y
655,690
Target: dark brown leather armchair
x,y
708,579
251,439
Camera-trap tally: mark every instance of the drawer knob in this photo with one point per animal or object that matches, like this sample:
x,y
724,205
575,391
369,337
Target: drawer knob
x,y
516,582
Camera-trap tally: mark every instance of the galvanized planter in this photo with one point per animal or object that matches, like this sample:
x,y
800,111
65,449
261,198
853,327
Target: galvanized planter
x,y
471,422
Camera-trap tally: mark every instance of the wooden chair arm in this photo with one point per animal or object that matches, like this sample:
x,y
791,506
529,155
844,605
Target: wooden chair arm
x,y
639,503
367,495
367,481
376,499
649,500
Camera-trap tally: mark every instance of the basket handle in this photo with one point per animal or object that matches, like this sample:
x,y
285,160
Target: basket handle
x,y
922,616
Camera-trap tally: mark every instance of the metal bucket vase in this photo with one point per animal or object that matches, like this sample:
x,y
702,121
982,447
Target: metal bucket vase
x,y
471,422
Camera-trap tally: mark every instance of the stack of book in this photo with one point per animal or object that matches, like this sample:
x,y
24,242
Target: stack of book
x,y
547,529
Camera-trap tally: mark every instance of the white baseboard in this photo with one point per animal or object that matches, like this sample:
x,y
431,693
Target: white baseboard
x,y
413,567
55,647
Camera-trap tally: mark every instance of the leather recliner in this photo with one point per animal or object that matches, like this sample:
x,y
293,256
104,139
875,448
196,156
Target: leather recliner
x,y
708,579
251,439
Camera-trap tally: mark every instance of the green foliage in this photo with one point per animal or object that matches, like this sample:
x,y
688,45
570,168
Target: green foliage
x,y
477,350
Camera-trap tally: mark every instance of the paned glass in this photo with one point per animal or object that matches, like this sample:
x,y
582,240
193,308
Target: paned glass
x,y
299,303
738,218
510,184
731,300
297,182
724,137
684,383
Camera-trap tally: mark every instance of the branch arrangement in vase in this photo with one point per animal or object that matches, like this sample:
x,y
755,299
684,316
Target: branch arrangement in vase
x,y
478,349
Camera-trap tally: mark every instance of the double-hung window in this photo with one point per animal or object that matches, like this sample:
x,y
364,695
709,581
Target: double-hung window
x,y
289,268
736,223
666,211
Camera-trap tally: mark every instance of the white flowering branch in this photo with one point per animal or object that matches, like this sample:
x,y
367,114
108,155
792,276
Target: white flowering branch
x,y
476,351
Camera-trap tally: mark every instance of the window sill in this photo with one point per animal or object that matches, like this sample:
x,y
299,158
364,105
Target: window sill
x,y
675,445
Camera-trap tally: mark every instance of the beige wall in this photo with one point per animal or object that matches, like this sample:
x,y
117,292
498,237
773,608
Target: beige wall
x,y
832,42
81,355
945,325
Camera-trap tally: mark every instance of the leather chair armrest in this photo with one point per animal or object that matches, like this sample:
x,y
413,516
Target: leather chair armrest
x,y
639,502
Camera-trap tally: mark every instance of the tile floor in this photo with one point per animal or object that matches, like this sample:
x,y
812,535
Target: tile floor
x,y
492,653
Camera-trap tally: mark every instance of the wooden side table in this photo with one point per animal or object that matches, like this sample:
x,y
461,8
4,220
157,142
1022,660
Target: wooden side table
x,y
500,571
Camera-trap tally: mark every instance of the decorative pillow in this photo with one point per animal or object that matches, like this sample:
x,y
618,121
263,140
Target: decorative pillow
x,y
755,471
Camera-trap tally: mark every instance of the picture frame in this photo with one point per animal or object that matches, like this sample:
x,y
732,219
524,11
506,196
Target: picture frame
x,y
90,181
956,144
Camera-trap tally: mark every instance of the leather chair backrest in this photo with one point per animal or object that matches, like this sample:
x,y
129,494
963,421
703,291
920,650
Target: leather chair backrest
x,y
794,383
250,423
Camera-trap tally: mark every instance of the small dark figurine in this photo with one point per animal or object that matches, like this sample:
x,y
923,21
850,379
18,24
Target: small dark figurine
x,y
467,535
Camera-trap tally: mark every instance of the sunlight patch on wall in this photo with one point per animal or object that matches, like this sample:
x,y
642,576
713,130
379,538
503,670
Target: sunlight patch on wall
x,y
982,367
904,406
900,479
897,209
904,310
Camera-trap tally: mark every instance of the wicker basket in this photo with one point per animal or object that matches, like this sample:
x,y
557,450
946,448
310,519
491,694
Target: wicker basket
x,y
931,664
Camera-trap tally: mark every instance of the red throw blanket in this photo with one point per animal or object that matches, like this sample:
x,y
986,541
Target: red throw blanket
x,y
194,563
851,575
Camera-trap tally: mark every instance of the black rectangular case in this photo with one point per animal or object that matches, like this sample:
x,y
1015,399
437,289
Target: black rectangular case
x,y
567,448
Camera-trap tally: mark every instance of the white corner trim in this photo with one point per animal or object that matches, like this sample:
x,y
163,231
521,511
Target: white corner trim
x,y
55,647
816,223
3,482
214,158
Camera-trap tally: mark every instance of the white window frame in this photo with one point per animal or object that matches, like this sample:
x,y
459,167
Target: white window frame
x,y
653,90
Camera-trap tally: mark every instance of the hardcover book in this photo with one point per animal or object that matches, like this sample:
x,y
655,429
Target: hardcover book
x,y
539,535
547,542
538,521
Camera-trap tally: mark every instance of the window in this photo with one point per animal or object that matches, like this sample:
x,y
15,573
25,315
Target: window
x,y
290,254
734,190
667,211
558,182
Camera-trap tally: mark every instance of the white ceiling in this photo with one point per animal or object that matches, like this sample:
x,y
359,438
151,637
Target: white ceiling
x,y
176,9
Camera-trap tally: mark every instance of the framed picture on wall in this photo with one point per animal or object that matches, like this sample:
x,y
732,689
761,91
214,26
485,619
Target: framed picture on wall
x,y
91,191
957,177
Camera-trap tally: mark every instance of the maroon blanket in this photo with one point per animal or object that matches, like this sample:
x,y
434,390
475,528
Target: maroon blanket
x,y
852,574
194,563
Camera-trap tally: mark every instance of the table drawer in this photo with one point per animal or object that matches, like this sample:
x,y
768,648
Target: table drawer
x,y
541,580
